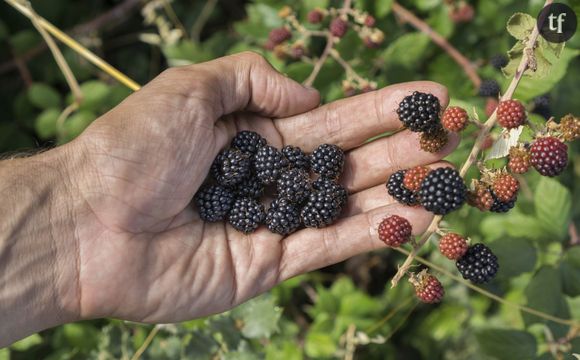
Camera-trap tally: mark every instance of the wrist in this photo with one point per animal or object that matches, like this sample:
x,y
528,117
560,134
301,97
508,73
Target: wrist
x,y
38,246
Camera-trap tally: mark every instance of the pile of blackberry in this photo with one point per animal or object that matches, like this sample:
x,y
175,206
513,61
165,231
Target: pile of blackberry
x,y
249,169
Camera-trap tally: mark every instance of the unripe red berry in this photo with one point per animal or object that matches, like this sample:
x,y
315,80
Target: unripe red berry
x,y
369,21
519,160
453,246
428,289
480,198
454,119
490,106
505,187
315,16
414,177
279,35
338,27
462,13
511,114
395,230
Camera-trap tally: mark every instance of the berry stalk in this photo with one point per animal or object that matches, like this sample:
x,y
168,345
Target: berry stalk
x,y
527,62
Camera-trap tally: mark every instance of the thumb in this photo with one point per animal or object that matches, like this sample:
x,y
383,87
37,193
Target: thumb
x,y
246,81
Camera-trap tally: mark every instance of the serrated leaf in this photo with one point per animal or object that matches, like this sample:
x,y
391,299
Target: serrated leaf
x,y
383,8
407,50
570,272
553,205
503,144
542,66
44,96
507,344
544,293
529,87
259,317
319,345
550,47
515,255
521,25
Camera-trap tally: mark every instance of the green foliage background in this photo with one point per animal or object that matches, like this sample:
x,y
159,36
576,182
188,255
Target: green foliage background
x,y
312,316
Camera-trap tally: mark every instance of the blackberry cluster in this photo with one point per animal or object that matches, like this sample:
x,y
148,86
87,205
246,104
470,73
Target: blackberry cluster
x,y
439,191
442,191
479,264
498,61
396,188
241,173
419,112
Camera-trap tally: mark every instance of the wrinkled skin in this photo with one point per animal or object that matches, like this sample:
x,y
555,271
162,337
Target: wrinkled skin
x,y
143,254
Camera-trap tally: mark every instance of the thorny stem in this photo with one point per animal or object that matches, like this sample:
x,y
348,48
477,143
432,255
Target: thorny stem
x,y
407,16
526,63
146,343
568,322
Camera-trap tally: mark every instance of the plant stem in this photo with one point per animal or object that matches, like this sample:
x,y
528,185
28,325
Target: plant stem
x,y
81,50
346,66
540,314
407,16
146,343
202,19
527,59
318,65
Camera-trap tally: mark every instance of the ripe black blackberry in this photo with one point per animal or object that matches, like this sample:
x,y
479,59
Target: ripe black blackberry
x,y
333,187
321,209
213,202
283,217
294,185
398,191
269,163
296,157
498,61
231,167
442,191
479,264
250,187
419,112
246,215
248,142
489,88
499,206
327,160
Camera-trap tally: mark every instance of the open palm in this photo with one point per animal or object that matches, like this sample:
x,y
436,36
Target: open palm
x,y
145,255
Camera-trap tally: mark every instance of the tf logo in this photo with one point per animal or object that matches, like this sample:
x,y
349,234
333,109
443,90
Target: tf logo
x,y
557,23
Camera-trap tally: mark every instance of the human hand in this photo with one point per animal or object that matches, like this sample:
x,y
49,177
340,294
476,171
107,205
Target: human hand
x,y
144,254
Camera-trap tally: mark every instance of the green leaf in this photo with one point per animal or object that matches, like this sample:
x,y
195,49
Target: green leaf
x,y
342,287
532,87
549,47
507,344
319,345
515,225
287,351
259,317
27,343
427,4
515,256
312,4
45,124
383,8
521,25
238,355
44,96
82,336
299,71
407,50
358,304
544,293
570,272
553,203
200,346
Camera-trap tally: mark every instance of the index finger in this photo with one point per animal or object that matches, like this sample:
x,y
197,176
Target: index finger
x,y
350,122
